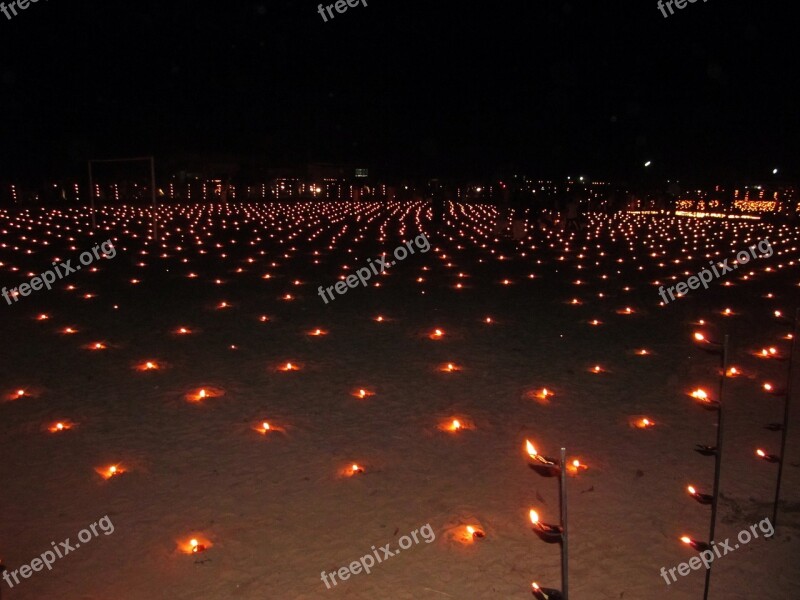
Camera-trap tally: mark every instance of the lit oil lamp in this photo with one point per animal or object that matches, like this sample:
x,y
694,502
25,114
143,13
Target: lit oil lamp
x,y
362,393
96,346
575,467
194,545
644,423
642,352
110,471
317,332
149,365
355,469
702,396
625,311
770,458
473,533
60,426
697,545
454,426
597,370
263,318
449,368
43,317
436,334
205,393
543,465
734,372
544,394
488,320
595,322
69,331
541,593
289,367
706,344
773,390
183,331
223,305
548,533
701,498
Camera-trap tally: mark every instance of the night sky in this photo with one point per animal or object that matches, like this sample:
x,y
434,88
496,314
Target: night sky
x,y
459,88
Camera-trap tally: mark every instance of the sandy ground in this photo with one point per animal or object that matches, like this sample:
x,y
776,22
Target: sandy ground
x,y
275,510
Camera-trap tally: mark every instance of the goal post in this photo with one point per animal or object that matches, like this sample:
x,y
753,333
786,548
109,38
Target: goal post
x,y
150,160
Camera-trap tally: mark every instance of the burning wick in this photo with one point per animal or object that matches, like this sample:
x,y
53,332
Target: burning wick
x,y
289,367
437,334
645,423
197,547
474,533
355,469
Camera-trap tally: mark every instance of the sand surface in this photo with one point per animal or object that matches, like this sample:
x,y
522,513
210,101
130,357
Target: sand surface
x,y
275,509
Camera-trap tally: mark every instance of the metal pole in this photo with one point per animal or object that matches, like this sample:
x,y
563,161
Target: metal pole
x,y
153,186
718,457
784,433
564,529
91,196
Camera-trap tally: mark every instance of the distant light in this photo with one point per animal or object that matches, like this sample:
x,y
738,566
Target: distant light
x,y
648,163
774,171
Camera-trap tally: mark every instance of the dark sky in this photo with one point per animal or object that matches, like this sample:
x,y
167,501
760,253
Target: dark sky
x,y
587,87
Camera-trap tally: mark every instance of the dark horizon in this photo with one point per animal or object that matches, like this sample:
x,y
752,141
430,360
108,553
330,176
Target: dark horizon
x,y
708,94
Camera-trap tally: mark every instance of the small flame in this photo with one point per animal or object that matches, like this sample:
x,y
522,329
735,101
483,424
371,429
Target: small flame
x,y
686,540
534,516
761,453
700,394
699,337
691,489
530,449
768,387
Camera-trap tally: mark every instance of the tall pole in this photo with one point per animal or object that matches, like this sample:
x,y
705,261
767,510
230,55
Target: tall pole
x,y
784,433
564,529
718,457
153,189
91,196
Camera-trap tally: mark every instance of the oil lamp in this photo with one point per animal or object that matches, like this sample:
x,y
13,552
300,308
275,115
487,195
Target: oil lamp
x,y
543,465
770,458
541,593
701,498
548,533
474,533
773,390
697,545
